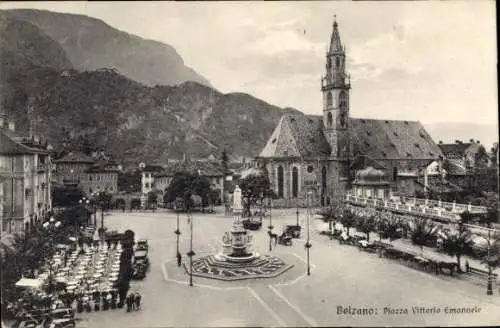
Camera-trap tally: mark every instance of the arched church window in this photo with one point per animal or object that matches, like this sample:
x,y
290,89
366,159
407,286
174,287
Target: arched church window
x,y
295,182
280,181
329,120
343,99
337,62
323,179
329,100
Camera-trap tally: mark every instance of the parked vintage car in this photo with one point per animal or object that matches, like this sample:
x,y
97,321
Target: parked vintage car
x,y
252,224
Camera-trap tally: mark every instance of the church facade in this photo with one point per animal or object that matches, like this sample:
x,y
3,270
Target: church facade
x,y
317,156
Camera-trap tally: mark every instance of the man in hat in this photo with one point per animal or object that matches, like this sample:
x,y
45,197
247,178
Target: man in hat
x,y
114,295
137,300
129,300
179,259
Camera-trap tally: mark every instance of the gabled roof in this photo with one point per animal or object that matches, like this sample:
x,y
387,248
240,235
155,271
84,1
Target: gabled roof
x,y
456,150
390,139
76,157
297,136
10,146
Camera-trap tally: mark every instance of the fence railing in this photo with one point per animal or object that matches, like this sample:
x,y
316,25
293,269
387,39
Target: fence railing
x,y
451,207
415,208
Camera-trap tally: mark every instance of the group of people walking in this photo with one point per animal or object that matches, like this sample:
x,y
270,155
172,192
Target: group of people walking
x,y
108,300
133,302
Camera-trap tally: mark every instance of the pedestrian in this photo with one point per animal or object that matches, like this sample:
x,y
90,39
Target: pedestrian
x,y
129,301
179,259
113,299
137,301
467,267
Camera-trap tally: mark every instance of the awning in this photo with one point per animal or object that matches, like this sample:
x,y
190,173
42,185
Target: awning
x,y
29,283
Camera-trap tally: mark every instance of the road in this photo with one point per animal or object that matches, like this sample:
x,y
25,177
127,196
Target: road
x,y
341,276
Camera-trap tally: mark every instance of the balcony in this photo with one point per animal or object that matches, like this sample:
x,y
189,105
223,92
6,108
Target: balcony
x,y
443,211
340,81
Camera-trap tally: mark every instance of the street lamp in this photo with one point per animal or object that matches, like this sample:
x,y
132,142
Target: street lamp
x,y
489,290
177,232
84,201
191,253
50,226
270,224
308,243
297,212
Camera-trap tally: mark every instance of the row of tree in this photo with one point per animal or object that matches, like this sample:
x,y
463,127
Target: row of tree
x,y
421,231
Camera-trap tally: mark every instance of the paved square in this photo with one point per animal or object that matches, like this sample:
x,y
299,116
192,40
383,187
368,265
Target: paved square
x,y
343,283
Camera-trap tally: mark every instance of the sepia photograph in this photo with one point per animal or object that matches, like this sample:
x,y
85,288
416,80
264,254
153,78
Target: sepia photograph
x,y
249,164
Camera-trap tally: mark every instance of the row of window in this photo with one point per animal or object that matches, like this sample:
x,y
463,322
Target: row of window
x,y
94,177
342,99
110,189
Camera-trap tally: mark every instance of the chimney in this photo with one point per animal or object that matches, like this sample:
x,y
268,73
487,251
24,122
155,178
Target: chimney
x,y
12,126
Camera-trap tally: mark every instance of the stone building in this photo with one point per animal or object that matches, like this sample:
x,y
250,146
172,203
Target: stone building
x,y
83,171
25,179
319,154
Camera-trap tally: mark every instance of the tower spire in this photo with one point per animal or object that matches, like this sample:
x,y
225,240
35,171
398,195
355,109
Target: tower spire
x,y
335,43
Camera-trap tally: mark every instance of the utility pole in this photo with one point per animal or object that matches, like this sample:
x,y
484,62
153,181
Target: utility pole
x,y
308,243
191,252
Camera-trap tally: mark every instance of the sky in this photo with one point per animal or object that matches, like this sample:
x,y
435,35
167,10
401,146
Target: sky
x,y
427,61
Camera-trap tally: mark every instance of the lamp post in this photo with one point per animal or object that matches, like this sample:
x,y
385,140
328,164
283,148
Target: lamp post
x,y
270,224
297,212
308,243
489,290
191,253
177,232
50,226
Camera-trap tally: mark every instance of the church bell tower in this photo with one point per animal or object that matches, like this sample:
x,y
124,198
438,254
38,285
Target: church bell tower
x,y
335,86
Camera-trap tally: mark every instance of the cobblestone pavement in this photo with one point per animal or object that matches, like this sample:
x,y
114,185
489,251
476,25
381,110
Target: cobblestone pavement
x,y
341,276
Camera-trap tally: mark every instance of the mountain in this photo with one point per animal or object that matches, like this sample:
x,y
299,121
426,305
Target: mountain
x,y
133,122
448,132
91,44
24,47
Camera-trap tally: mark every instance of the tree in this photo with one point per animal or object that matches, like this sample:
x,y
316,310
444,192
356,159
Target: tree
x,y
254,187
200,186
348,219
184,185
66,196
390,226
456,243
225,163
152,198
422,231
367,222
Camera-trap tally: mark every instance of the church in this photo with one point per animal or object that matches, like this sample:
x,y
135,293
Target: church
x,y
320,155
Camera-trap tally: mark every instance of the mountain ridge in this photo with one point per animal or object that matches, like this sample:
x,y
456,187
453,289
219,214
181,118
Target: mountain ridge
x,y
91,43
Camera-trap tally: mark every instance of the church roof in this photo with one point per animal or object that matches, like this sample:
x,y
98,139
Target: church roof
x,y
302,136
390,139
297,136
